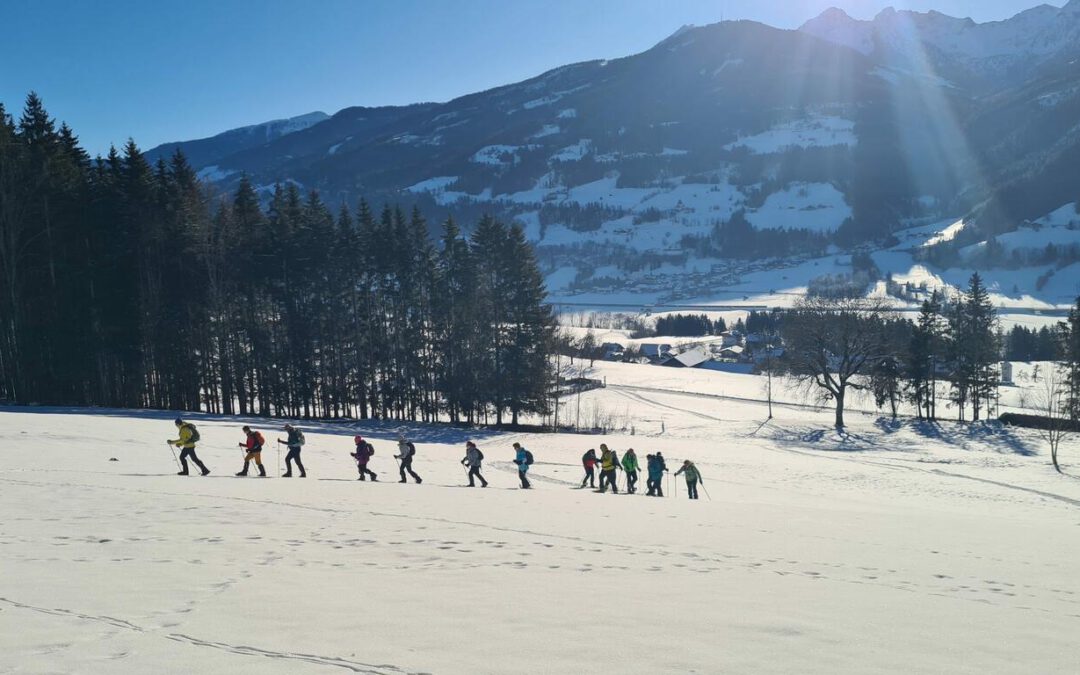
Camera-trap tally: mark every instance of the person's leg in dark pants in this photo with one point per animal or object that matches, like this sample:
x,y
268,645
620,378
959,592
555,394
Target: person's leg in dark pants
x,y
631,481
691,488
369,472
524,481
474,473
294,455
651,487
590,477
406,465
190,452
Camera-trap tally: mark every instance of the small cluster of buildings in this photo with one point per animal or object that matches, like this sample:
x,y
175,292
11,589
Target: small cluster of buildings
x,y
731,351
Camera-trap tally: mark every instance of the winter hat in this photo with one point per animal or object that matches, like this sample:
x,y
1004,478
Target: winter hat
x,y
358,439
178,421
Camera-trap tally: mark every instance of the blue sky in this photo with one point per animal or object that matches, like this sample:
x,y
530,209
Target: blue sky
x,y
174,70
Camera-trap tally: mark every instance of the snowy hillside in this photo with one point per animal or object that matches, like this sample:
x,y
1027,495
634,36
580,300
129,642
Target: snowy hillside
x,y
898,547
733,160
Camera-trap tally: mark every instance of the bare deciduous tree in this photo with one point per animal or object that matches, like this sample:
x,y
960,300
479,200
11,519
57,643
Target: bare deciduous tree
x,y
831,342
1052,402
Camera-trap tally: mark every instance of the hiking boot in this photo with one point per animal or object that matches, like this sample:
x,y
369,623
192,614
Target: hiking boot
x,y
182,473
205,471
286,475
262,471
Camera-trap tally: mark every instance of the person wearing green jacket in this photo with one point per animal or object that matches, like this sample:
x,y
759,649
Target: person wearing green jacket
x,y
630,467
693,477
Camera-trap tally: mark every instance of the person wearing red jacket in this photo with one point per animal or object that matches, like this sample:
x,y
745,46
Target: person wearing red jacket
x,y
589,460
253,445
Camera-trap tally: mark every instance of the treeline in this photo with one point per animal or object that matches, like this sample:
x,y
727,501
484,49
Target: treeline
x,y
843,344
1025,344
126,284
689,325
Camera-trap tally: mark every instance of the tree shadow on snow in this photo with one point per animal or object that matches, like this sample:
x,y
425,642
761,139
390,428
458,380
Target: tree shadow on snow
x,y
991,435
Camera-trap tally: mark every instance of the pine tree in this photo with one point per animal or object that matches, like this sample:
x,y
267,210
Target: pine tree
x,y
1070,350
924,357
974,351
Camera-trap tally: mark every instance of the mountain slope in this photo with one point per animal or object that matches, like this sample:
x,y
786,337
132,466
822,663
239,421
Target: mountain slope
x,y
205,151
723,143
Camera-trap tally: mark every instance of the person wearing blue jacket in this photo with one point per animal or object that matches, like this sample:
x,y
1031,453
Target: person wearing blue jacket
x,y
523,458
656,467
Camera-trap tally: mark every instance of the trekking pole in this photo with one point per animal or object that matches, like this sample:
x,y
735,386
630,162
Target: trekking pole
x,y
175,458
702,483
279,457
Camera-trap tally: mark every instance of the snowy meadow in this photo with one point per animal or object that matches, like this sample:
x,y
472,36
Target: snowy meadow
x,y
895,547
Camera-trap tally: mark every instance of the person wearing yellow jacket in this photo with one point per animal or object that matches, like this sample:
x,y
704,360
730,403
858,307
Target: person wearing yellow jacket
x,y
609,464
189,436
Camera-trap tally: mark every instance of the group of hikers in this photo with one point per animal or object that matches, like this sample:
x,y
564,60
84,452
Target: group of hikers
x,y
608,463
655,468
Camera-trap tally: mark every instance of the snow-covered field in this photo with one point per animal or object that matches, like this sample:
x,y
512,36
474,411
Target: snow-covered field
x,y
898,547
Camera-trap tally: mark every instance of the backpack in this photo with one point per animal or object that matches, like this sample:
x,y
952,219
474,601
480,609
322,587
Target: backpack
x,y
194,432
479,455
369,449
528,458
259,440
300,437
412,449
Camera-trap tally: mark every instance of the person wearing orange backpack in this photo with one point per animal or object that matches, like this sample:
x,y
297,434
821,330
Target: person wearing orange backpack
x,y
253,446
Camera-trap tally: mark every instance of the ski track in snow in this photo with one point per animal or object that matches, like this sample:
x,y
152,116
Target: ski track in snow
x,y
961,528
233,649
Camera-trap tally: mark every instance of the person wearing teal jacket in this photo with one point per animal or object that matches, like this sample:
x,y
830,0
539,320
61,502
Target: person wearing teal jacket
x,y
524,459
693,477
630,467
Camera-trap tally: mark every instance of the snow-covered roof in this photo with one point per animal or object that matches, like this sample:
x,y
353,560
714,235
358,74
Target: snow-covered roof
x,y
690,359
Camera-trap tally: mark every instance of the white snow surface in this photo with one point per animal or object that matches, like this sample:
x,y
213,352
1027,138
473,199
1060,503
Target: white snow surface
x,y
896,547
818,207
214,173
816,131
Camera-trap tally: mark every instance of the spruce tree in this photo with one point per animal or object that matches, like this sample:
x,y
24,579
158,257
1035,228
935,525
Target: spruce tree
x,y
1070,352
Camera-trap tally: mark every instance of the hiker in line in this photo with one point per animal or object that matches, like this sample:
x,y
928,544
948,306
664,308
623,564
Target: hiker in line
x,y
473,459
609,464
189,436
294,442
253,446
406,452
523,458
364,451
656,467
630,468
589,460
693,476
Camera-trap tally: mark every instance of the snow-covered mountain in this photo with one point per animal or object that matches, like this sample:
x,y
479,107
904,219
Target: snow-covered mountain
x,y
989,55
677,172
205,151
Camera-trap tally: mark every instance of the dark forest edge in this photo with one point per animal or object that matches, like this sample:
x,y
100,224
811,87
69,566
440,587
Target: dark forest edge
x,y
129,285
